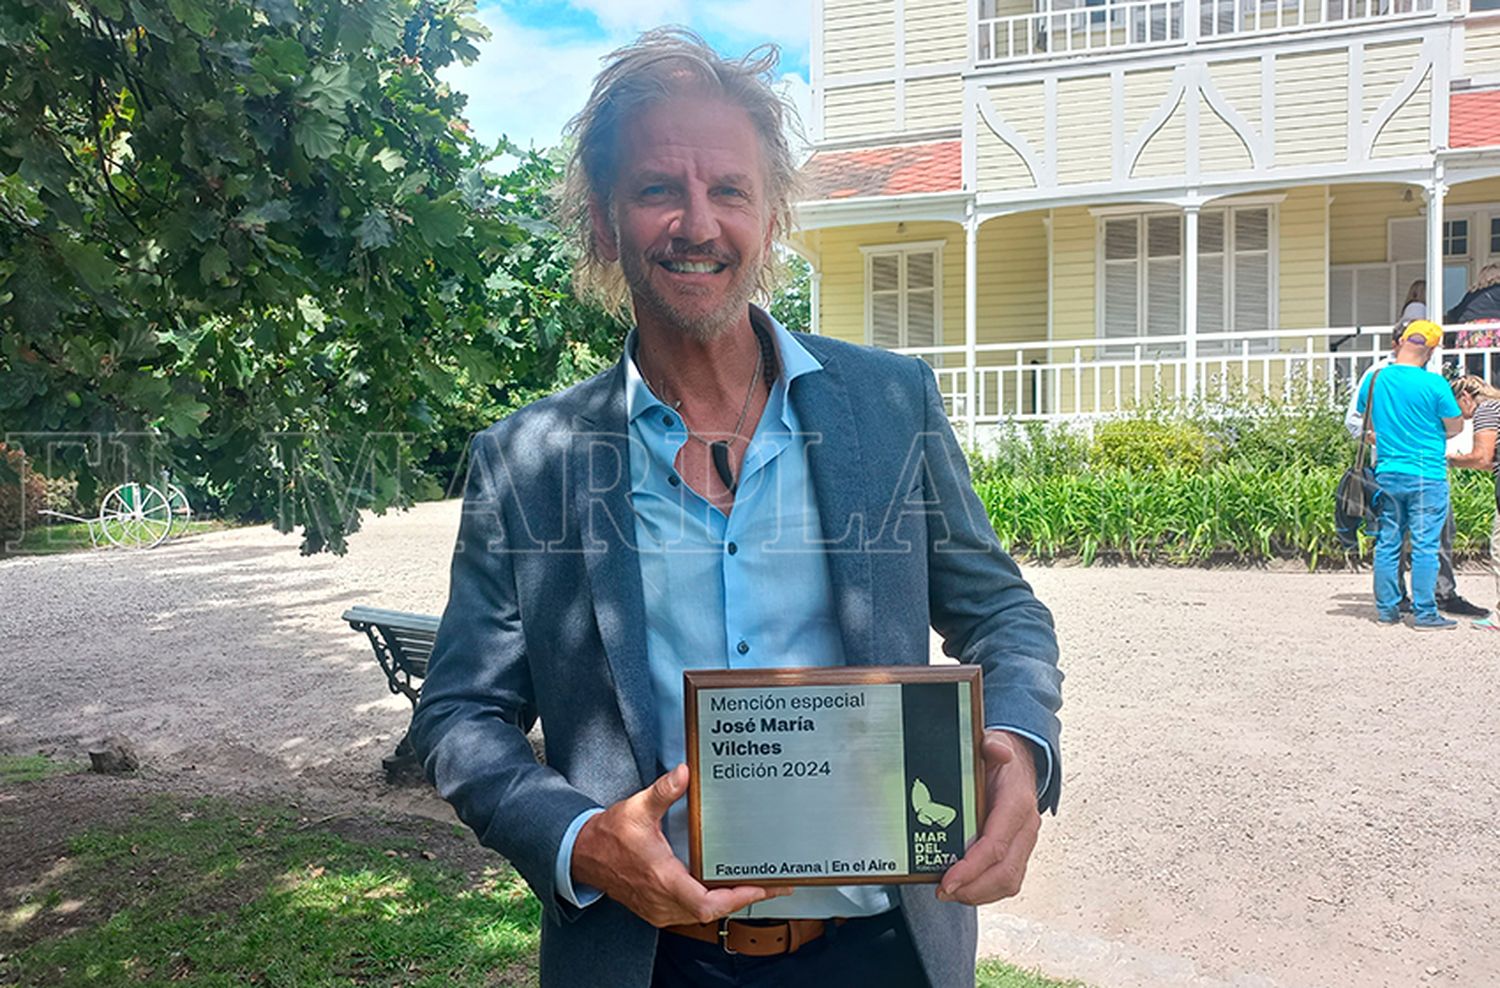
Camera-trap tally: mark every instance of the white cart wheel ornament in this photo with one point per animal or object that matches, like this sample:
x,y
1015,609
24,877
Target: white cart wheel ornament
x,y
135,516
181,510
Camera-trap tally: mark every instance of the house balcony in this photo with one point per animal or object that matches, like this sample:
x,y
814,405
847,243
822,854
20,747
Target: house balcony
x,y
1063,29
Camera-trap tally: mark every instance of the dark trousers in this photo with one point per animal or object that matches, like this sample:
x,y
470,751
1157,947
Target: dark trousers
x,y
1447,585
872,952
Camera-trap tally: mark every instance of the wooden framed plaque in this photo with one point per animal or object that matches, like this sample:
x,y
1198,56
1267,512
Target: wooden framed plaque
x,y
845,776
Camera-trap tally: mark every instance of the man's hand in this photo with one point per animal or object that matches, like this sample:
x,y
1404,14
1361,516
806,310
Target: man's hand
x,y
995,864
623,853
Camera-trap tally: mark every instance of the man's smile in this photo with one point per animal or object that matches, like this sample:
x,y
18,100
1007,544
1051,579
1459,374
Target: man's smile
x,y
693,267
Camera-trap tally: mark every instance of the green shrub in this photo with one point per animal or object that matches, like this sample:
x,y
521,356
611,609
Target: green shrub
x,y
1145,444
20,500
1302,428
1032,449
1182,517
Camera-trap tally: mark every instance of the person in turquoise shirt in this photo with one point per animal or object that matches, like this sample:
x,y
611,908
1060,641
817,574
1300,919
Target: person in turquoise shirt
x,y
1413,415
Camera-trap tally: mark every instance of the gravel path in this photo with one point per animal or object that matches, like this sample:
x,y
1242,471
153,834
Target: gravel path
x,y
1262,787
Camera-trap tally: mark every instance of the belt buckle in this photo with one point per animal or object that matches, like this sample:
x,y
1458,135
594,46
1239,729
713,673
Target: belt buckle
x,y
724,936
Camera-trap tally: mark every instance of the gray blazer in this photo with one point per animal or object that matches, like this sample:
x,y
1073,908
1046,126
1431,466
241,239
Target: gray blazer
x,y
545,619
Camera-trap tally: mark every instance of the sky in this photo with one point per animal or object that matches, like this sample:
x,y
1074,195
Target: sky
x,y
535,71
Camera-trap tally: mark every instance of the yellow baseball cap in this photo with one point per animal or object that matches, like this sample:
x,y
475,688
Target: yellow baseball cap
x,y
1429,333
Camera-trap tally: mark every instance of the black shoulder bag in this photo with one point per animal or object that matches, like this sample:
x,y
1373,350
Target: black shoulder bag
x,y
1355,497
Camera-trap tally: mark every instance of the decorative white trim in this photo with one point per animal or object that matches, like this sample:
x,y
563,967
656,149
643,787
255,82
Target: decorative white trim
x,y
898,246
1218,202
1354,100
933,70
899,38
1268,110
1193,85
1157,120
1255,145
970,135
815,72
1011,136
1404,92
890,139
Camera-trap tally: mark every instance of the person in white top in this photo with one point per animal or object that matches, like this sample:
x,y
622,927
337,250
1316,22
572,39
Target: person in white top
x,y
1415,306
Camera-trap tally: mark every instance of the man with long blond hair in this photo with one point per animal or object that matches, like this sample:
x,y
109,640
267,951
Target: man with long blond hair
x,y
730,495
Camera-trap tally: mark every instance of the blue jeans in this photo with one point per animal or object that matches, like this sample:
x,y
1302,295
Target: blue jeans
x,y
1416,506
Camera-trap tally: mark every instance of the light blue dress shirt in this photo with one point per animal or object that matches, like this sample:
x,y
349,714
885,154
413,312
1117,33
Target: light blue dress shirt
x,y
743,591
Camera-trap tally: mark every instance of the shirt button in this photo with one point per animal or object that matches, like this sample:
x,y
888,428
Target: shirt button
x,y
743,647
673,479
668,421
733,548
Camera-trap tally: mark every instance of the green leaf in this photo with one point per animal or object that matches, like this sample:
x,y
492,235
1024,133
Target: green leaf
x,y
390,159
183,415
438,223
214,264
412,184
318,136
375,230
94,269
272,211
283,61
113,9
330,88
193,14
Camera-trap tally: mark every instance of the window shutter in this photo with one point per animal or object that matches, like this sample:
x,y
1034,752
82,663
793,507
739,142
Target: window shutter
x,y
921,298
885,300
1408,240
1211,280
1381,291
1341,297
1163,275
1250,244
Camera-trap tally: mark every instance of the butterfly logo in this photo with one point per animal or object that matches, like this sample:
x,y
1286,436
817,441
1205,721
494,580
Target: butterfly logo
x,y
929,812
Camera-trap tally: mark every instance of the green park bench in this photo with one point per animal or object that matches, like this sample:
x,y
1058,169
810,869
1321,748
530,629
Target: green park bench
x,y
402,642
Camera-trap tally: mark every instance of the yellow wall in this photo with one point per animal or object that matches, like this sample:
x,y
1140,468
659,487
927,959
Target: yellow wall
x,y
936,31
1073,259
855,110
1012,282
1481,48
1303,269
933,103
1386,68
1084,131
841,310
1165,152
1357,220
858,36
997,163
1312,109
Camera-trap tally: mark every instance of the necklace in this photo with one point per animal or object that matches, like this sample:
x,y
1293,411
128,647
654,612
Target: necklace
x,y
718,449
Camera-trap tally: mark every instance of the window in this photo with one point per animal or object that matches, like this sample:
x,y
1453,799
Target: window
x,y
1142,283
1495,235
1455,238
903,297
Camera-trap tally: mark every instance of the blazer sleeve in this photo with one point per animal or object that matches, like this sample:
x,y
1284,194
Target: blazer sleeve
x,y
979,603
469,728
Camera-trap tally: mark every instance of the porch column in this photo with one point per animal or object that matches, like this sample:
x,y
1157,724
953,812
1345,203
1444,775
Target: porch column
x,y
815,296
971,322
1190,294
1437,191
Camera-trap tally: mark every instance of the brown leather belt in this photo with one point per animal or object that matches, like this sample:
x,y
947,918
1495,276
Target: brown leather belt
x,y
756,938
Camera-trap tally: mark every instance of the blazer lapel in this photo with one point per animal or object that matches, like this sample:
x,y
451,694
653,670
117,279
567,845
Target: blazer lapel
x,y
836,464
606,527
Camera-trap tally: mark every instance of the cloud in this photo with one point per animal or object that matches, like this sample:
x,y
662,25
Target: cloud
x,y
527,82
532,76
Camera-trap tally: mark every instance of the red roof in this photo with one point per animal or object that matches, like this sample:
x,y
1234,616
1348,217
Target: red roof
x,y
885,171
1474,119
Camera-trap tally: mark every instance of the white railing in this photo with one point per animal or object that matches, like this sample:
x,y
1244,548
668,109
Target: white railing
x,y
1066,379
1059,28
1075,30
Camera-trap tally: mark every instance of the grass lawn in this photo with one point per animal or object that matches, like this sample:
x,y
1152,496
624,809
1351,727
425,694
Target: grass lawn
x,y
45,540
167,891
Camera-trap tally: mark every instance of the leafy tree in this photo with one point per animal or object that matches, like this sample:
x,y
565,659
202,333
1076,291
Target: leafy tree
x,y
792,303
253,237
